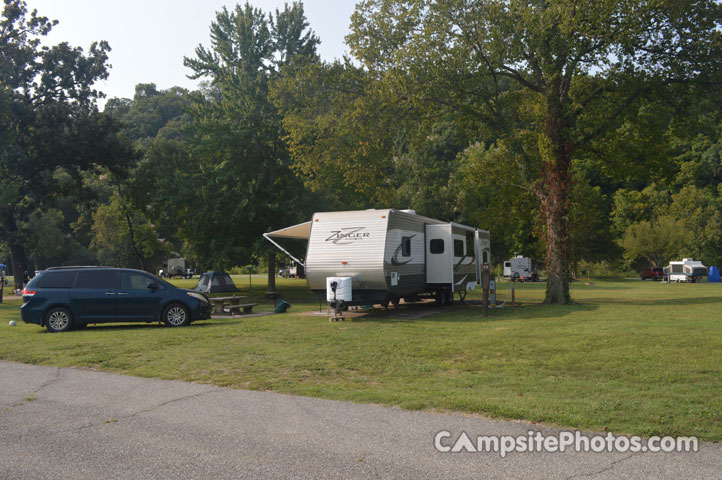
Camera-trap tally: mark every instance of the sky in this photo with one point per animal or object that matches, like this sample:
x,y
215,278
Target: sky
x,y
150,38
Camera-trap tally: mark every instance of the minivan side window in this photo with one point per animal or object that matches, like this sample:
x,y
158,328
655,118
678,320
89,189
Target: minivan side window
x,y
96,279
134,281
62,279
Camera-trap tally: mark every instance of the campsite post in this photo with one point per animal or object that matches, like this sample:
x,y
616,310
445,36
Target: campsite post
x,y
250,282
513,300
485,287
254,263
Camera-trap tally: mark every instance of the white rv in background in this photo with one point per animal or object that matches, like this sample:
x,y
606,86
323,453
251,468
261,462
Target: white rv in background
x,y
687,270
389,255
521,268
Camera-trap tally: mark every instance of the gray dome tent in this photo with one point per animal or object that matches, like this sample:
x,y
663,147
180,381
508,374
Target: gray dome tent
x,y
215,282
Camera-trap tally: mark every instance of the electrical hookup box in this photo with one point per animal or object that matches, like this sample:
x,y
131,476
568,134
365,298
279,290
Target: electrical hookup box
x,y
342,286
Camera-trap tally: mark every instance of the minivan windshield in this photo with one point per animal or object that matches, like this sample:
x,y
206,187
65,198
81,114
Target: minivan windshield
x,y
162,283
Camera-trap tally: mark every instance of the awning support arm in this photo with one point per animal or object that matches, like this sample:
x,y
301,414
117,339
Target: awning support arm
x,y
265,235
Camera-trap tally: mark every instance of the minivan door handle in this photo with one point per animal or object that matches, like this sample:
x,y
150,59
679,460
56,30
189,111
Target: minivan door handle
x,y
110,293
122,293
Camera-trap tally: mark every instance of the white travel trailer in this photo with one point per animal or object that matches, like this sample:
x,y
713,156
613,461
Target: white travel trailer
x,y
685,271
388,255
521,268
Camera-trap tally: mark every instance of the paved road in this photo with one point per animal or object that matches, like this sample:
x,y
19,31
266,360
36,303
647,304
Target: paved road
x,y
73,423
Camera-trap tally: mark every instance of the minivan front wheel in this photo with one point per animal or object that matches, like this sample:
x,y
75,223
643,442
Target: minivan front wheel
x,y
58,319
176,315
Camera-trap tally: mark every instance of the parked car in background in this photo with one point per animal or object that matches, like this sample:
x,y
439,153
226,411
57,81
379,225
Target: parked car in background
x,y
653,273
62,298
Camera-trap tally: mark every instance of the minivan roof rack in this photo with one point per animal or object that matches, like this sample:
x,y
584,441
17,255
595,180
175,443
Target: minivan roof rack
x,y
76,266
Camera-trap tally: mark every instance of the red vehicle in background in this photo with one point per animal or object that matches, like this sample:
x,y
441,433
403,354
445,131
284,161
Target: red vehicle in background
x,y
653,273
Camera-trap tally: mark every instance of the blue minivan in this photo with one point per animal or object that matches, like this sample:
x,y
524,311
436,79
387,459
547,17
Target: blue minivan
x,y
62,298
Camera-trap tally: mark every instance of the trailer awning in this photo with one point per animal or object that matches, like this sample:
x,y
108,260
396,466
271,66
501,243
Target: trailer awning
x,y
302,231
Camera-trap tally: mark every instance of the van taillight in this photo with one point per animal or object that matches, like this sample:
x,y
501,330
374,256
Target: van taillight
x,y
29,293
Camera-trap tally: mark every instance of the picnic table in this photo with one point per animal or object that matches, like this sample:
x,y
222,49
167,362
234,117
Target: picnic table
x,y
246,307
220,302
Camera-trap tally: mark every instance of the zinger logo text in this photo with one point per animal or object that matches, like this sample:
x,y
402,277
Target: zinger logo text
x,y
347,235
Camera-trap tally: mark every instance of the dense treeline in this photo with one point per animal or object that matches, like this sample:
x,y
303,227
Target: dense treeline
x,y
577,132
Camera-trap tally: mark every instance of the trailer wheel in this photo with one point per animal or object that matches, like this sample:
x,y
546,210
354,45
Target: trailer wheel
x,y
449,297
440,297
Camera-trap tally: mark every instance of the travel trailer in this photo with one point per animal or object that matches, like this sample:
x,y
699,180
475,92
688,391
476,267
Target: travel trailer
x,y
687,270
177,267
388,255
521,268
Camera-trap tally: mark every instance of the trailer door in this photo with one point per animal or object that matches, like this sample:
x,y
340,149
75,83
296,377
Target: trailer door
x,y
439,251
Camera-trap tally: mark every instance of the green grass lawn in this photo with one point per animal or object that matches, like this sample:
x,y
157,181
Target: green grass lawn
x,y
631,356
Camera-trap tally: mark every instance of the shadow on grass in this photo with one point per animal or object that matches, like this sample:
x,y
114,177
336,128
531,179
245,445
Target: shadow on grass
x,y
118,327
670,301
472,313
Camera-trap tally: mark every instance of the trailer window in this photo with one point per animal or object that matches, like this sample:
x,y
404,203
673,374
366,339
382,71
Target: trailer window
x,y
405,246
436,246
470,244
458,248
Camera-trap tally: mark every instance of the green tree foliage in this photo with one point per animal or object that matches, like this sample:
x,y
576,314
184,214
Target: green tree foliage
x,y
122,237
151,113
570,72
352,139
242,185
660,226
491,181
658,241
50,241
590,235
49,122
154,120
339,135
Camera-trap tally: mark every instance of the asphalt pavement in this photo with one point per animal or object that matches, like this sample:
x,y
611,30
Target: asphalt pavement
x,y
58,423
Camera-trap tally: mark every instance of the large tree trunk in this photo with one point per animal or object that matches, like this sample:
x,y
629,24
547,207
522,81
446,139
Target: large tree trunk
x,y
557,245
271,271
19,262
555,200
